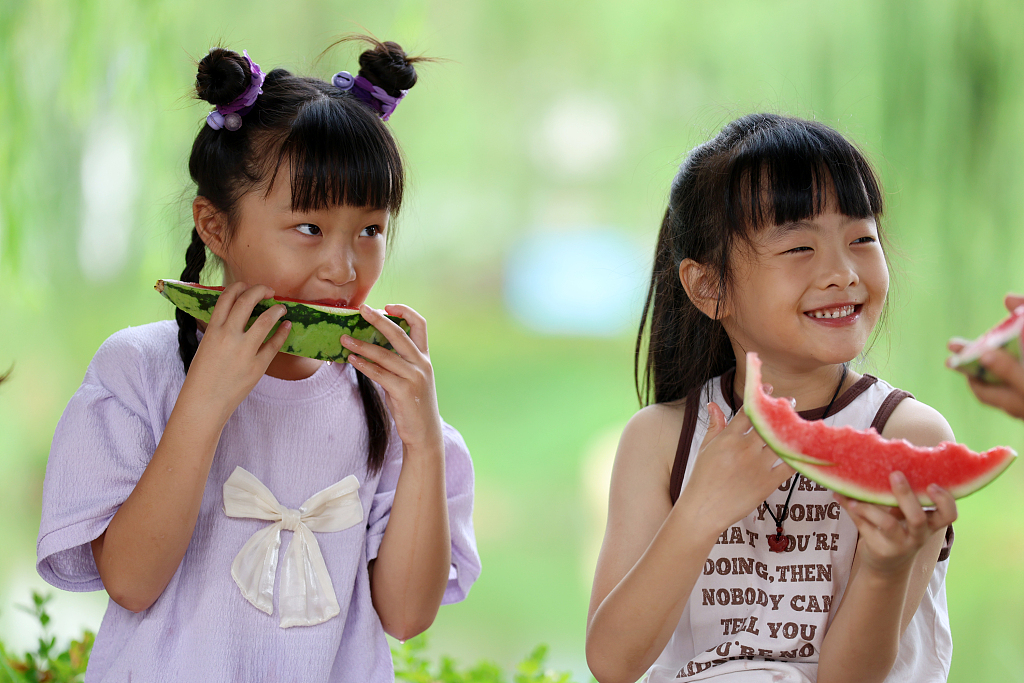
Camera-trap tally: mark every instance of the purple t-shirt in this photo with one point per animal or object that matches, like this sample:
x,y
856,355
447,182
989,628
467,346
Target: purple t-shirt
x,y
297,438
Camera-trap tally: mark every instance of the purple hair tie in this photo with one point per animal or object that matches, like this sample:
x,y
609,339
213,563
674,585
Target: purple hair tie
x,y
230,115
369,94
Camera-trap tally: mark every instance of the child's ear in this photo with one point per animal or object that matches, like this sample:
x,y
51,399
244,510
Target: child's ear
x,y
701,285
211,224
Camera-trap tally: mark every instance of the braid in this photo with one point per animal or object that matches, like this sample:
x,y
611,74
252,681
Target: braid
x,y
188,340
376,422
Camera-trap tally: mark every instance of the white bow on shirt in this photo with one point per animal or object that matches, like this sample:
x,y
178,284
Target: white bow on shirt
x,y
307,595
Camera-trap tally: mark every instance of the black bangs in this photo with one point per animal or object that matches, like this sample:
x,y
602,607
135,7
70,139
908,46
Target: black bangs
x,y
788,173
340,155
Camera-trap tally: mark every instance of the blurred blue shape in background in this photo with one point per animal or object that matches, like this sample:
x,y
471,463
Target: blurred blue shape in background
x,y
588,281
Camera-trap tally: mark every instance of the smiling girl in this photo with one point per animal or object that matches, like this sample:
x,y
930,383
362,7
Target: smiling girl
x,y
719,562
186,453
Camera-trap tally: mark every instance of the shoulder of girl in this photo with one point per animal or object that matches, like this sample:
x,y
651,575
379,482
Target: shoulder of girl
x,y
126,350
918,423
143,339
654,428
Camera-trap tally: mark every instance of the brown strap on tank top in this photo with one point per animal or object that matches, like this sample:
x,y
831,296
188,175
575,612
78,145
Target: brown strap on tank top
x,y
881,418
888,405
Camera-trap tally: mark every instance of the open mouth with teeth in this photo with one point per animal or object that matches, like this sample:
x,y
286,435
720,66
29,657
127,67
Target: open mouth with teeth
x,y
834,312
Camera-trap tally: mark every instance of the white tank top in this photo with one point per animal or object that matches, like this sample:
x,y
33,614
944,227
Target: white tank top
x,y
756,615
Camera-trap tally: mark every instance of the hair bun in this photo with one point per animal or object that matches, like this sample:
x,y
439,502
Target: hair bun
x,y
387,66
222,76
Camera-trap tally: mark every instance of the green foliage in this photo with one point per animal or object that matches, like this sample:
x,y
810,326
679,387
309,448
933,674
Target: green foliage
x,y
412,665
48,664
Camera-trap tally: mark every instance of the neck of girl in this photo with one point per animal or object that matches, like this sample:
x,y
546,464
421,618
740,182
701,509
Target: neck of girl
x,y
812,388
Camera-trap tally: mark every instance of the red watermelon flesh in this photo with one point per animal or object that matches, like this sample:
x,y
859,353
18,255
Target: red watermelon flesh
x,y
1005,335
857,463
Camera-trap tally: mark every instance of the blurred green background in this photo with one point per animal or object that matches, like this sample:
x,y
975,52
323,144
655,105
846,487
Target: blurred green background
x,y
551,123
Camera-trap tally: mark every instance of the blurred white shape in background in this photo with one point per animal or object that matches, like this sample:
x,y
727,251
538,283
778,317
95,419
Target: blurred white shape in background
x,y
109,187
589,282
579,136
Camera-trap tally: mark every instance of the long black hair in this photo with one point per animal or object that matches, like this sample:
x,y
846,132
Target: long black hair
x,y
338,149
760,170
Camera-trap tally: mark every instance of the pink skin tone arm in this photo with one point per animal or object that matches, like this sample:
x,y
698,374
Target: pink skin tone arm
x,y
145,541
409,576
653,552
1009,396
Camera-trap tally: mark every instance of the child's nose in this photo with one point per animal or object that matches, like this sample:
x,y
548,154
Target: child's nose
x,y
338,267
841,272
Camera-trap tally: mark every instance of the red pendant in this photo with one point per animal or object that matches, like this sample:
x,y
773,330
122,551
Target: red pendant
x,y
778,543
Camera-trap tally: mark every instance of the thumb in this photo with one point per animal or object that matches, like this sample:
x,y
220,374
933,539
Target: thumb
x,y
1012,301
717,421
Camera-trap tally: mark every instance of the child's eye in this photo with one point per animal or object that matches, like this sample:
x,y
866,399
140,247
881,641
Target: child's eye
x,y
867,239
371,231
309,229
797,249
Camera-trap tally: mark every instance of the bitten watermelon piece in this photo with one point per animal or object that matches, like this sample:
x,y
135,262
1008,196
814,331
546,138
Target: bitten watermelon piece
x,y
1006,335
316,328
857,463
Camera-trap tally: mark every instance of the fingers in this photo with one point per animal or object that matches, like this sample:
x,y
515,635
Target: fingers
x,y
378,355
998,396
417,324
262,326
913,513
945,507
909,521
1005,367
225,302
1012,301
272,346
400,341
241,311
956,344
371,370
717,421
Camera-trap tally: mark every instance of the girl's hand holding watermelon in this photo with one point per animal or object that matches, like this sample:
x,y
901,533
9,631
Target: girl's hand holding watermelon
x,y
409,575
890,537
230,359
1008,396
406,375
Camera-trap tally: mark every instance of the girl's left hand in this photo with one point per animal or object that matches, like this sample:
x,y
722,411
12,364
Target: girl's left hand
x,y
406,374
893,536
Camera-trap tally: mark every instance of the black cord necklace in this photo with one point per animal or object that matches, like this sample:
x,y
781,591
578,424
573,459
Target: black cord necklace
x,y
779,543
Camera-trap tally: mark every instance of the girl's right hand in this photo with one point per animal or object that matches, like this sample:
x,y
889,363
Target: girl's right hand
x,y
735,471
230,359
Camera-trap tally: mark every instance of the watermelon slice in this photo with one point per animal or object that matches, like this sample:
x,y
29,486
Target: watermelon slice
x,y
857,463
316,328
1006,335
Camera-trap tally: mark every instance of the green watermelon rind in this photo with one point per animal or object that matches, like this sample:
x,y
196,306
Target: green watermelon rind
x,y
822,471
316,329
851,490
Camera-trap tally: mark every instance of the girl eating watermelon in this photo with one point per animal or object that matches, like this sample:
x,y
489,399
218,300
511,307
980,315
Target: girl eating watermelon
x,y
719,562
187,452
